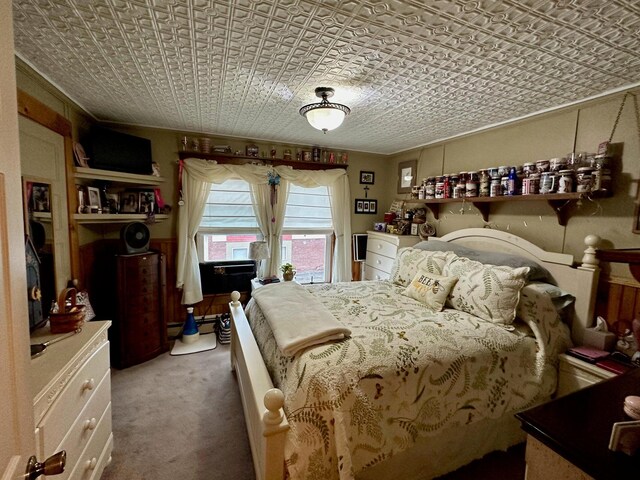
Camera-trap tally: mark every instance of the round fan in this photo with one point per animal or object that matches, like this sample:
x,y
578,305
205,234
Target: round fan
x,y
135,238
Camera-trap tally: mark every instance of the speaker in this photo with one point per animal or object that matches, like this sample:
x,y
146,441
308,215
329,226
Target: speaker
x,y
134,238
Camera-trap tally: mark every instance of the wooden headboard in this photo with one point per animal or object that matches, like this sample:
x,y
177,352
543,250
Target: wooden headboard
x,y
581,281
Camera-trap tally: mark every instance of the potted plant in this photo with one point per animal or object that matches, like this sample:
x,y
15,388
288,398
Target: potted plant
x,y
288,272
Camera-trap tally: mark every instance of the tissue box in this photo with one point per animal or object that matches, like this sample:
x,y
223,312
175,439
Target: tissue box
x,y
599,339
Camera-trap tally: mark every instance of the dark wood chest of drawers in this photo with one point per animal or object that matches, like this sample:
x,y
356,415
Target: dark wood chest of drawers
x,y
139,330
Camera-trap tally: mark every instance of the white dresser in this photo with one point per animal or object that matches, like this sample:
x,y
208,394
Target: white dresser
x,y
381,252
574,374
71,386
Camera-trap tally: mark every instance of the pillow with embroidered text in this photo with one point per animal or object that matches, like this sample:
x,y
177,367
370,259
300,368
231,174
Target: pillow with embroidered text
x,y
410,261
430,289
489,292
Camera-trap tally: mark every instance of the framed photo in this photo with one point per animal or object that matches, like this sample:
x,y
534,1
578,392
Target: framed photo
x,y
113,203
146,202
367,178
129,202
407,172
94,198
364,205
40,197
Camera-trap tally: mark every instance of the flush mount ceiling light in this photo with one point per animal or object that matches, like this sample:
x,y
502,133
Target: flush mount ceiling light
x,y
325,115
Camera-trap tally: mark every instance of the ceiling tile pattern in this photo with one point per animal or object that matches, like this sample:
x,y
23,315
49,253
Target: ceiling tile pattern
x,y
411,71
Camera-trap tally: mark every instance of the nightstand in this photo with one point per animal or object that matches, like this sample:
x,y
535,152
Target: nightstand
x,y
574,374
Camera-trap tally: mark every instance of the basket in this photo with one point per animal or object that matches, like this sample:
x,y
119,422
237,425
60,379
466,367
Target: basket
x,y
70,317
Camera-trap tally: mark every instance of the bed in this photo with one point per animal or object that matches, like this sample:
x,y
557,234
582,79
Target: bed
x,y
451,401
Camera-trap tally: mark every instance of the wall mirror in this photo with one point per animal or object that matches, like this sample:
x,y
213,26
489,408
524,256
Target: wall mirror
x,y
43,168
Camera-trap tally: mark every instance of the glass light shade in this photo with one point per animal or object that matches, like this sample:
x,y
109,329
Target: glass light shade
x,y
325,118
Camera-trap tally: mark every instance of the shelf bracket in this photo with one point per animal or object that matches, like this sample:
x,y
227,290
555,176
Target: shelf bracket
x,y
483,208
435,209
561,209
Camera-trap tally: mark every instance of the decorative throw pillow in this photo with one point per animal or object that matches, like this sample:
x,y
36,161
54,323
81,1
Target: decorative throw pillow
x,y
489,292
430,289
409,261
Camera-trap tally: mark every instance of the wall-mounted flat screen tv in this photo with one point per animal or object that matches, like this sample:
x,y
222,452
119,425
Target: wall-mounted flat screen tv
x,y
121,152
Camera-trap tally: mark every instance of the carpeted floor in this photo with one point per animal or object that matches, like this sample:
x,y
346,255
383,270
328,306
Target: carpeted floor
x,y
181,418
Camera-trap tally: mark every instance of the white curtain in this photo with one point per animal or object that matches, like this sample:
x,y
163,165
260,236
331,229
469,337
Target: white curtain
x,y
197,177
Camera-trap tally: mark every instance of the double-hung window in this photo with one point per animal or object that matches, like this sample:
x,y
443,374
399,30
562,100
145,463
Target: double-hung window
x,y
229,225
307,233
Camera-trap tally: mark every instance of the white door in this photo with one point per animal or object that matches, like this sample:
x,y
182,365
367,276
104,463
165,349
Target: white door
x,y
16,403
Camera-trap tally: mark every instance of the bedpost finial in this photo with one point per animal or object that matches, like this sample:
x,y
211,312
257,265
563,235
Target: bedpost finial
x,y
589,259
235,296
274,401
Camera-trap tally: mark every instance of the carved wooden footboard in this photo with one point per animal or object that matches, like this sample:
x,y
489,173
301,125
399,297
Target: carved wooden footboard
x,y
261,402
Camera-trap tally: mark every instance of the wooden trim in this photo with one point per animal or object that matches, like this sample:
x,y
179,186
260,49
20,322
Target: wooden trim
x,y
34,110
37,111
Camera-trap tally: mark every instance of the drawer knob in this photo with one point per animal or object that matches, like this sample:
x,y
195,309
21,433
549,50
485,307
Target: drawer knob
x,y
91,464
90,424
89,384
379,246
378,262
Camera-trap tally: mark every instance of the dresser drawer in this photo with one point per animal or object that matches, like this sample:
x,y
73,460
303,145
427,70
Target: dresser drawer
x,y
86,426
379,262
94,458
381,247
64,411
135,281
574,374
371,273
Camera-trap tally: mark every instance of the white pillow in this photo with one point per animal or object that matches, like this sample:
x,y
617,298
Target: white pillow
x,y
489,292
409,261
430,289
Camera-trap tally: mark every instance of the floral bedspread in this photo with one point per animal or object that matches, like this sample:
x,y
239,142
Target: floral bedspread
x,y
406,372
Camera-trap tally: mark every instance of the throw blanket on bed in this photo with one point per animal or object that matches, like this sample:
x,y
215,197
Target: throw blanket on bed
x,y
297,318
404,373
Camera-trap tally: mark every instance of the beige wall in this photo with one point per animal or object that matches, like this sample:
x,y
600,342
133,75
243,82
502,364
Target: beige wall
x,y
579,128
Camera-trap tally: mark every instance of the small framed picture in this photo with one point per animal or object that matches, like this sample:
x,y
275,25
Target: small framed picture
x,y
407,175
94,198
146,202
364,205
129,202
414,229
40,197
367,178
113,203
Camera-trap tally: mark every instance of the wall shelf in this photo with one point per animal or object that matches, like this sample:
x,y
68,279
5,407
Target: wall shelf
x,y
117,177
242,159
87,218
559,202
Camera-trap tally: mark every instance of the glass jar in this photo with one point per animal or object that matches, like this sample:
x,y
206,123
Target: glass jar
x,y
583,179
447,186
430,188
485,180
503,171
528,169
557,164
439,187
454,181
471,189
495,189
542,166
534,187
504,185
565,181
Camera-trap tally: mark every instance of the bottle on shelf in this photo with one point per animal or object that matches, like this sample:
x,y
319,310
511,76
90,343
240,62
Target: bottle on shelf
x,y
512,182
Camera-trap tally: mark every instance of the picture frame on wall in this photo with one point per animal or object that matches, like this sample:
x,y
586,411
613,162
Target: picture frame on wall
x,y
367,178
407,172
365,206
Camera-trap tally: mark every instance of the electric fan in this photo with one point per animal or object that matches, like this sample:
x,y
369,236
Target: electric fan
x,y
134,238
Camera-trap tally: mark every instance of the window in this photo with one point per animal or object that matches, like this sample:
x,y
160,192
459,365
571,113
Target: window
x,y
306,234
228,226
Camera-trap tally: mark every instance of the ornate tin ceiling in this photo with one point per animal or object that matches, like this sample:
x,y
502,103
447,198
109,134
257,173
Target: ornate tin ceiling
x,y
411,71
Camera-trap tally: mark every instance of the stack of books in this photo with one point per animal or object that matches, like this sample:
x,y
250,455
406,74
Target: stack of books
x,y
615,362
